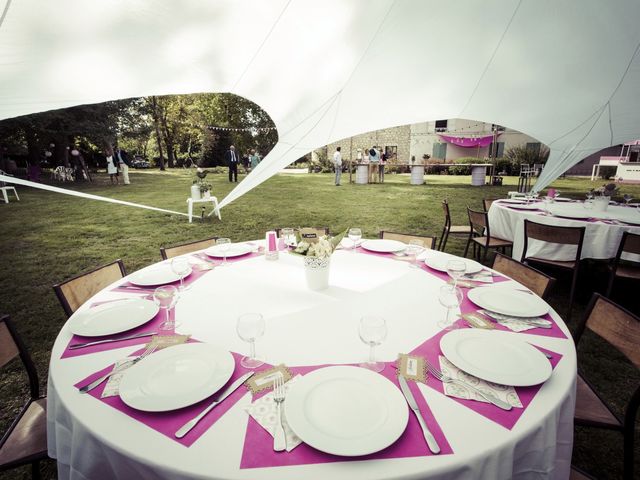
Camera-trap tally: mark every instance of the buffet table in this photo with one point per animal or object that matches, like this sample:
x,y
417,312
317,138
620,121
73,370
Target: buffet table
x,y
93,438
603,232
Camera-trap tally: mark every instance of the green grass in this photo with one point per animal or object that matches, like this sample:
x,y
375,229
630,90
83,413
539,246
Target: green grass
x,y
48,237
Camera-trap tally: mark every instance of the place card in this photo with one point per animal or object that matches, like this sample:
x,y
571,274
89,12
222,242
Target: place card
x,y
478,321
264,380
309,235
412,367
464,283
158,342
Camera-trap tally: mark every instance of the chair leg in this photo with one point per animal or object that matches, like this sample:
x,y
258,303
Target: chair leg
x,y
444,230
484,255
466,249
610,286
574,282
444,244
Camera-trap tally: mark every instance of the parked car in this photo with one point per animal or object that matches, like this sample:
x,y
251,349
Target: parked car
x,y
138,163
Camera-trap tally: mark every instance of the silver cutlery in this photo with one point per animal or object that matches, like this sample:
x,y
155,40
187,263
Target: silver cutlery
x,y
533,321
111,340
279,437
428,436
446,379
186,428
139,289
121,368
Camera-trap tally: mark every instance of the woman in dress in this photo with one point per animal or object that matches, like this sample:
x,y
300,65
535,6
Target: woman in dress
x,y
112,169
254,158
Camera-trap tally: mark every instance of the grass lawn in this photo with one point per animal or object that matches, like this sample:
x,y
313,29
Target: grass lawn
x,y
48,237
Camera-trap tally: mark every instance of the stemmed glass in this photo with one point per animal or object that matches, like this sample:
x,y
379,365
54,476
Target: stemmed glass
x,y
627,198
414,248
456,269
180,266
547,204
250,326
166,298
372,331
225,244
450,298
288,236
355,234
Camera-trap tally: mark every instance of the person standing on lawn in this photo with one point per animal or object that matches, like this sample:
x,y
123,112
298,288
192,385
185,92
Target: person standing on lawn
x,y
112,169
337,165
123,164
254,159
383,162
231,157
374,160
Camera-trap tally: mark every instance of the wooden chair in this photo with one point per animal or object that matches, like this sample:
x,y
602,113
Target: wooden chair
x,y
536,281
177,250
428,242
450,229
26,439
480,235
561,236
486,203
630,243
620,328
577,474
74,292
320,231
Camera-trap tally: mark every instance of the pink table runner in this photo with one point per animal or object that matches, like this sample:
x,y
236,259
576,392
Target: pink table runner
x,y
258,443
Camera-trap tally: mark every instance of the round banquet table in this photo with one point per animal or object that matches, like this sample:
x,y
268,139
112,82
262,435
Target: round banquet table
x,y
602,234
91,440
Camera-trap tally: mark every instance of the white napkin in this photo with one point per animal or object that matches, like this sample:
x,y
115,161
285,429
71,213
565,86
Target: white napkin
x,y
517,324
264,412
503,392
483,276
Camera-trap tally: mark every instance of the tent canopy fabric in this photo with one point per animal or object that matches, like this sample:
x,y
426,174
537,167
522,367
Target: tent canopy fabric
x,y
563,71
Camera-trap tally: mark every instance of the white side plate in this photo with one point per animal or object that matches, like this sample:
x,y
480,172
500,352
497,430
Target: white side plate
x,y
112,317
508,301
235,250
176,377
498,357
439,262
348,411
383,246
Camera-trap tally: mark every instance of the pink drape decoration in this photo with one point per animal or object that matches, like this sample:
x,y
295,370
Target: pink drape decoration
x,y
468,142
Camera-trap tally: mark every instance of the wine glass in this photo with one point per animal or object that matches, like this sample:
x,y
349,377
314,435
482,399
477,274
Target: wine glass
x,y
456,269
627,198
449,297
288,236
180,266
414,248
166,298
250,326
355,234
547,204
225,244
372,331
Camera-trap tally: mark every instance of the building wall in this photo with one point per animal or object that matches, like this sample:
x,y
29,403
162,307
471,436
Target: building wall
x,y
395,136
585,166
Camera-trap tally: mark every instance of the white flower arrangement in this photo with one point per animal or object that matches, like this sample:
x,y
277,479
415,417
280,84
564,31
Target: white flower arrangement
x,y
322,248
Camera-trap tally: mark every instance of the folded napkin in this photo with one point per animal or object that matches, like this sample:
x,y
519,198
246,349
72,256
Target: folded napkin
x,y
503,392
483,276
264,412
518,324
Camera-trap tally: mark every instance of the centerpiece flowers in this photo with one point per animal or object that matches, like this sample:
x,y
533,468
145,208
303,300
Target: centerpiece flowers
x,y
317,251
200,187
602,195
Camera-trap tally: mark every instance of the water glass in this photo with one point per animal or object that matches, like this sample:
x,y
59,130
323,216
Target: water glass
x,y
547,204
166,298
456,269
180,266
249,327
372,331
414,248
288,237
225,245
355,234
449,297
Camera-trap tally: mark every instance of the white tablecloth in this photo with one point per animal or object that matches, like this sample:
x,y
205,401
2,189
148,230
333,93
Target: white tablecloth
x,y
601,239
92,441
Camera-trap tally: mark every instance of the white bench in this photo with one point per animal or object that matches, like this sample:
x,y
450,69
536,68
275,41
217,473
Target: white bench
x,y
212,199
5,190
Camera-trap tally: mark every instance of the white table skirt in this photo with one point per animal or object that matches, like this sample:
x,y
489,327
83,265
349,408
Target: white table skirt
x,y
91,440
601,240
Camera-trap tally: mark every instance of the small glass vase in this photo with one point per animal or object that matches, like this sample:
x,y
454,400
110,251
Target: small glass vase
x,y
316,271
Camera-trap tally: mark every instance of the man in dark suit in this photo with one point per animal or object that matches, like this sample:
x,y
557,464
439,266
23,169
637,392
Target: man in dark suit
x,y
232,159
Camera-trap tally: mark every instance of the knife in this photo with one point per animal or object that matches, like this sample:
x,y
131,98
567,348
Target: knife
x,y
428,436
186,428
110,340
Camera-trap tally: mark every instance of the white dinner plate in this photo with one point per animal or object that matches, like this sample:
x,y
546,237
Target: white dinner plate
x,y
156,275
513,200
497,357
113,317
176,377
531,206
508,301
383,246
576,211
563,199
439,262
235,250
344,410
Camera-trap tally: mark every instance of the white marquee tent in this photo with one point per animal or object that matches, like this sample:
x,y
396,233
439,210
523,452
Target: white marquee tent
x,y
566,72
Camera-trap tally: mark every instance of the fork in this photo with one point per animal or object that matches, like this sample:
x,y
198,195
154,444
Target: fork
x,y
279,437
446,379
95,383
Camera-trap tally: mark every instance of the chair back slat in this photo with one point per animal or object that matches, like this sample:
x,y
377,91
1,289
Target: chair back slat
x,y
553,233
183,248
74,292
8,348
631,243
429,242
617,326
447,212
533,279
478,220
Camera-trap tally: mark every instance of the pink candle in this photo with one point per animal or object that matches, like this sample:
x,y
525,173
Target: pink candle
x,y
271,241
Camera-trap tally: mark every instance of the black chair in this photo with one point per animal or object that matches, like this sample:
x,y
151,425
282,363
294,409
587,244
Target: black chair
x,y
450,229
630,243
480,235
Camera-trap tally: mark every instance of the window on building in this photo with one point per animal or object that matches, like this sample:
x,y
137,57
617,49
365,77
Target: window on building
x,y
496,150
534,147
440,151
497,128
441,125
391,151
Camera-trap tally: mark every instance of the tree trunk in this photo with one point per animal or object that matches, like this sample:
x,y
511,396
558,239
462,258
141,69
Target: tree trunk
x,y
156,124
33,146
168,140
